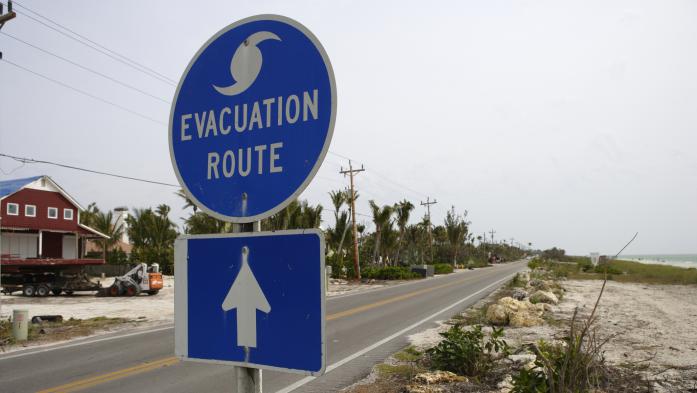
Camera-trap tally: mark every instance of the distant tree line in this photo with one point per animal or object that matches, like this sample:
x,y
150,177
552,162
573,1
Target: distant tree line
x,y
393,241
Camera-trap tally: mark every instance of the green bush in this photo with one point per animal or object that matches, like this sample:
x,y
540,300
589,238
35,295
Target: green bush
x,y
530,381
517,281
388,273
535,263
465,352
443,268
606,267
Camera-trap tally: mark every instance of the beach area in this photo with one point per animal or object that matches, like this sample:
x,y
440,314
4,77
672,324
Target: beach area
x,y
641,336
679,260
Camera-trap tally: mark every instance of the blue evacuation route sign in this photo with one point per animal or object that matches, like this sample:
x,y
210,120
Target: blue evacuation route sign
x,y
252,118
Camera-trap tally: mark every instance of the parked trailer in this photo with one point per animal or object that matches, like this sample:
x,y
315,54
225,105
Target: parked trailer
x,y
41,277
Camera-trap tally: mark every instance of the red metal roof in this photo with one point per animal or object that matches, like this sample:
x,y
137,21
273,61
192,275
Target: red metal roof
x,y
7,260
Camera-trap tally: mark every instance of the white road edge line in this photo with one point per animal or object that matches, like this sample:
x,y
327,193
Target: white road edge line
x,y
63,346
363,351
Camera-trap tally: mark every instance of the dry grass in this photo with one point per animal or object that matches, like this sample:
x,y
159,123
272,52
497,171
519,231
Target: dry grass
x,y
59,331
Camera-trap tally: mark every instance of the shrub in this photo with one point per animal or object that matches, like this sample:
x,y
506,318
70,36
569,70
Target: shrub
x,y
535,263
388,273
517,281
443,268
577,365
530,381
465,352
606,267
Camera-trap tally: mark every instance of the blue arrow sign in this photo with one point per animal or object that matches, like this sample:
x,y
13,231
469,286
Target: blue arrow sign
x,y
252,118
252,299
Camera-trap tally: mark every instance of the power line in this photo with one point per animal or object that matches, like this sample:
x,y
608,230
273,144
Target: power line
x,y
85,68
67,86
26,160
154,120
384,177
105,51
130,62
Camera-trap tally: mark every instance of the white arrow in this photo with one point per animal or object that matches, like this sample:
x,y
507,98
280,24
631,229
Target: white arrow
x,y
247,297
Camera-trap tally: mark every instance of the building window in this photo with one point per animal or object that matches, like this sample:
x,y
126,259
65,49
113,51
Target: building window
x,y
12,209
30,210
68,214
53,212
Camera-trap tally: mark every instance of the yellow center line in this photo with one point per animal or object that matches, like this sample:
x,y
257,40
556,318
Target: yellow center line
x,y
170,361
103,378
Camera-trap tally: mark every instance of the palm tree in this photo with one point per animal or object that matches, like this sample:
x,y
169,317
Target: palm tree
x,y
152,234
188,203
382,217
104,223
341,219
87,216
403,211
312,215
456,229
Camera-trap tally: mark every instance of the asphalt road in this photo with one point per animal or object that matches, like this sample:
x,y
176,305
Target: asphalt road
x,y
362,330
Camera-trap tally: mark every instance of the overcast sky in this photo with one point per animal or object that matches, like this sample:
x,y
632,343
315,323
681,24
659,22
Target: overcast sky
x,y
561,123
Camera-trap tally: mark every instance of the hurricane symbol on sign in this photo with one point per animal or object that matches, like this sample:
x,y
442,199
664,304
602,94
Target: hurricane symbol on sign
x,y
246,63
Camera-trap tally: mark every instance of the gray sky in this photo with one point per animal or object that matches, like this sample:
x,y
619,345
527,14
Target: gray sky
x,y
562,123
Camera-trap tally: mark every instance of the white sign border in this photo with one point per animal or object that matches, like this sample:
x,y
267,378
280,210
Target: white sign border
x,y
327,141
181,297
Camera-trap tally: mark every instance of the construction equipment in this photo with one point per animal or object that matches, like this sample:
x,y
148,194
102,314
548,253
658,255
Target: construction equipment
x,y
41,277
140,279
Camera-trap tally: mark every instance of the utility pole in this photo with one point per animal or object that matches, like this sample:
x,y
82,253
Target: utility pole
x,y
9,15
428,204
4,17
492,235
351,172
484,238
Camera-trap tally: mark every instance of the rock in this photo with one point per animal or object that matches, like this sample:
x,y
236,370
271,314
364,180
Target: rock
x,y
506,385
496,315
519,294
438,377
422,389
542,307
522,358
544,297
544,285
511,304
525,318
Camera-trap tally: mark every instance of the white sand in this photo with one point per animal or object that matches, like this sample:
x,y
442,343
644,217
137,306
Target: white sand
x,y
653,325
158,308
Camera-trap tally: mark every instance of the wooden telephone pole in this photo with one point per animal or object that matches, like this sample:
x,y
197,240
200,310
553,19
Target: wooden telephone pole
x,y
428,204
351,172
4,17
492,235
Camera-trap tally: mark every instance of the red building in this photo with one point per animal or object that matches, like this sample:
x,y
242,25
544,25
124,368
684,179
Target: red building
x,y
40,224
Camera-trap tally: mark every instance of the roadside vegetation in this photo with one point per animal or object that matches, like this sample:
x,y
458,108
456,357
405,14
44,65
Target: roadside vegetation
x,y
581,268
474,353
393,244
57,331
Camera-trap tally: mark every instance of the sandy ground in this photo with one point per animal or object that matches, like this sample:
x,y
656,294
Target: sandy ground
x,y
654,325
158,308
653,329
